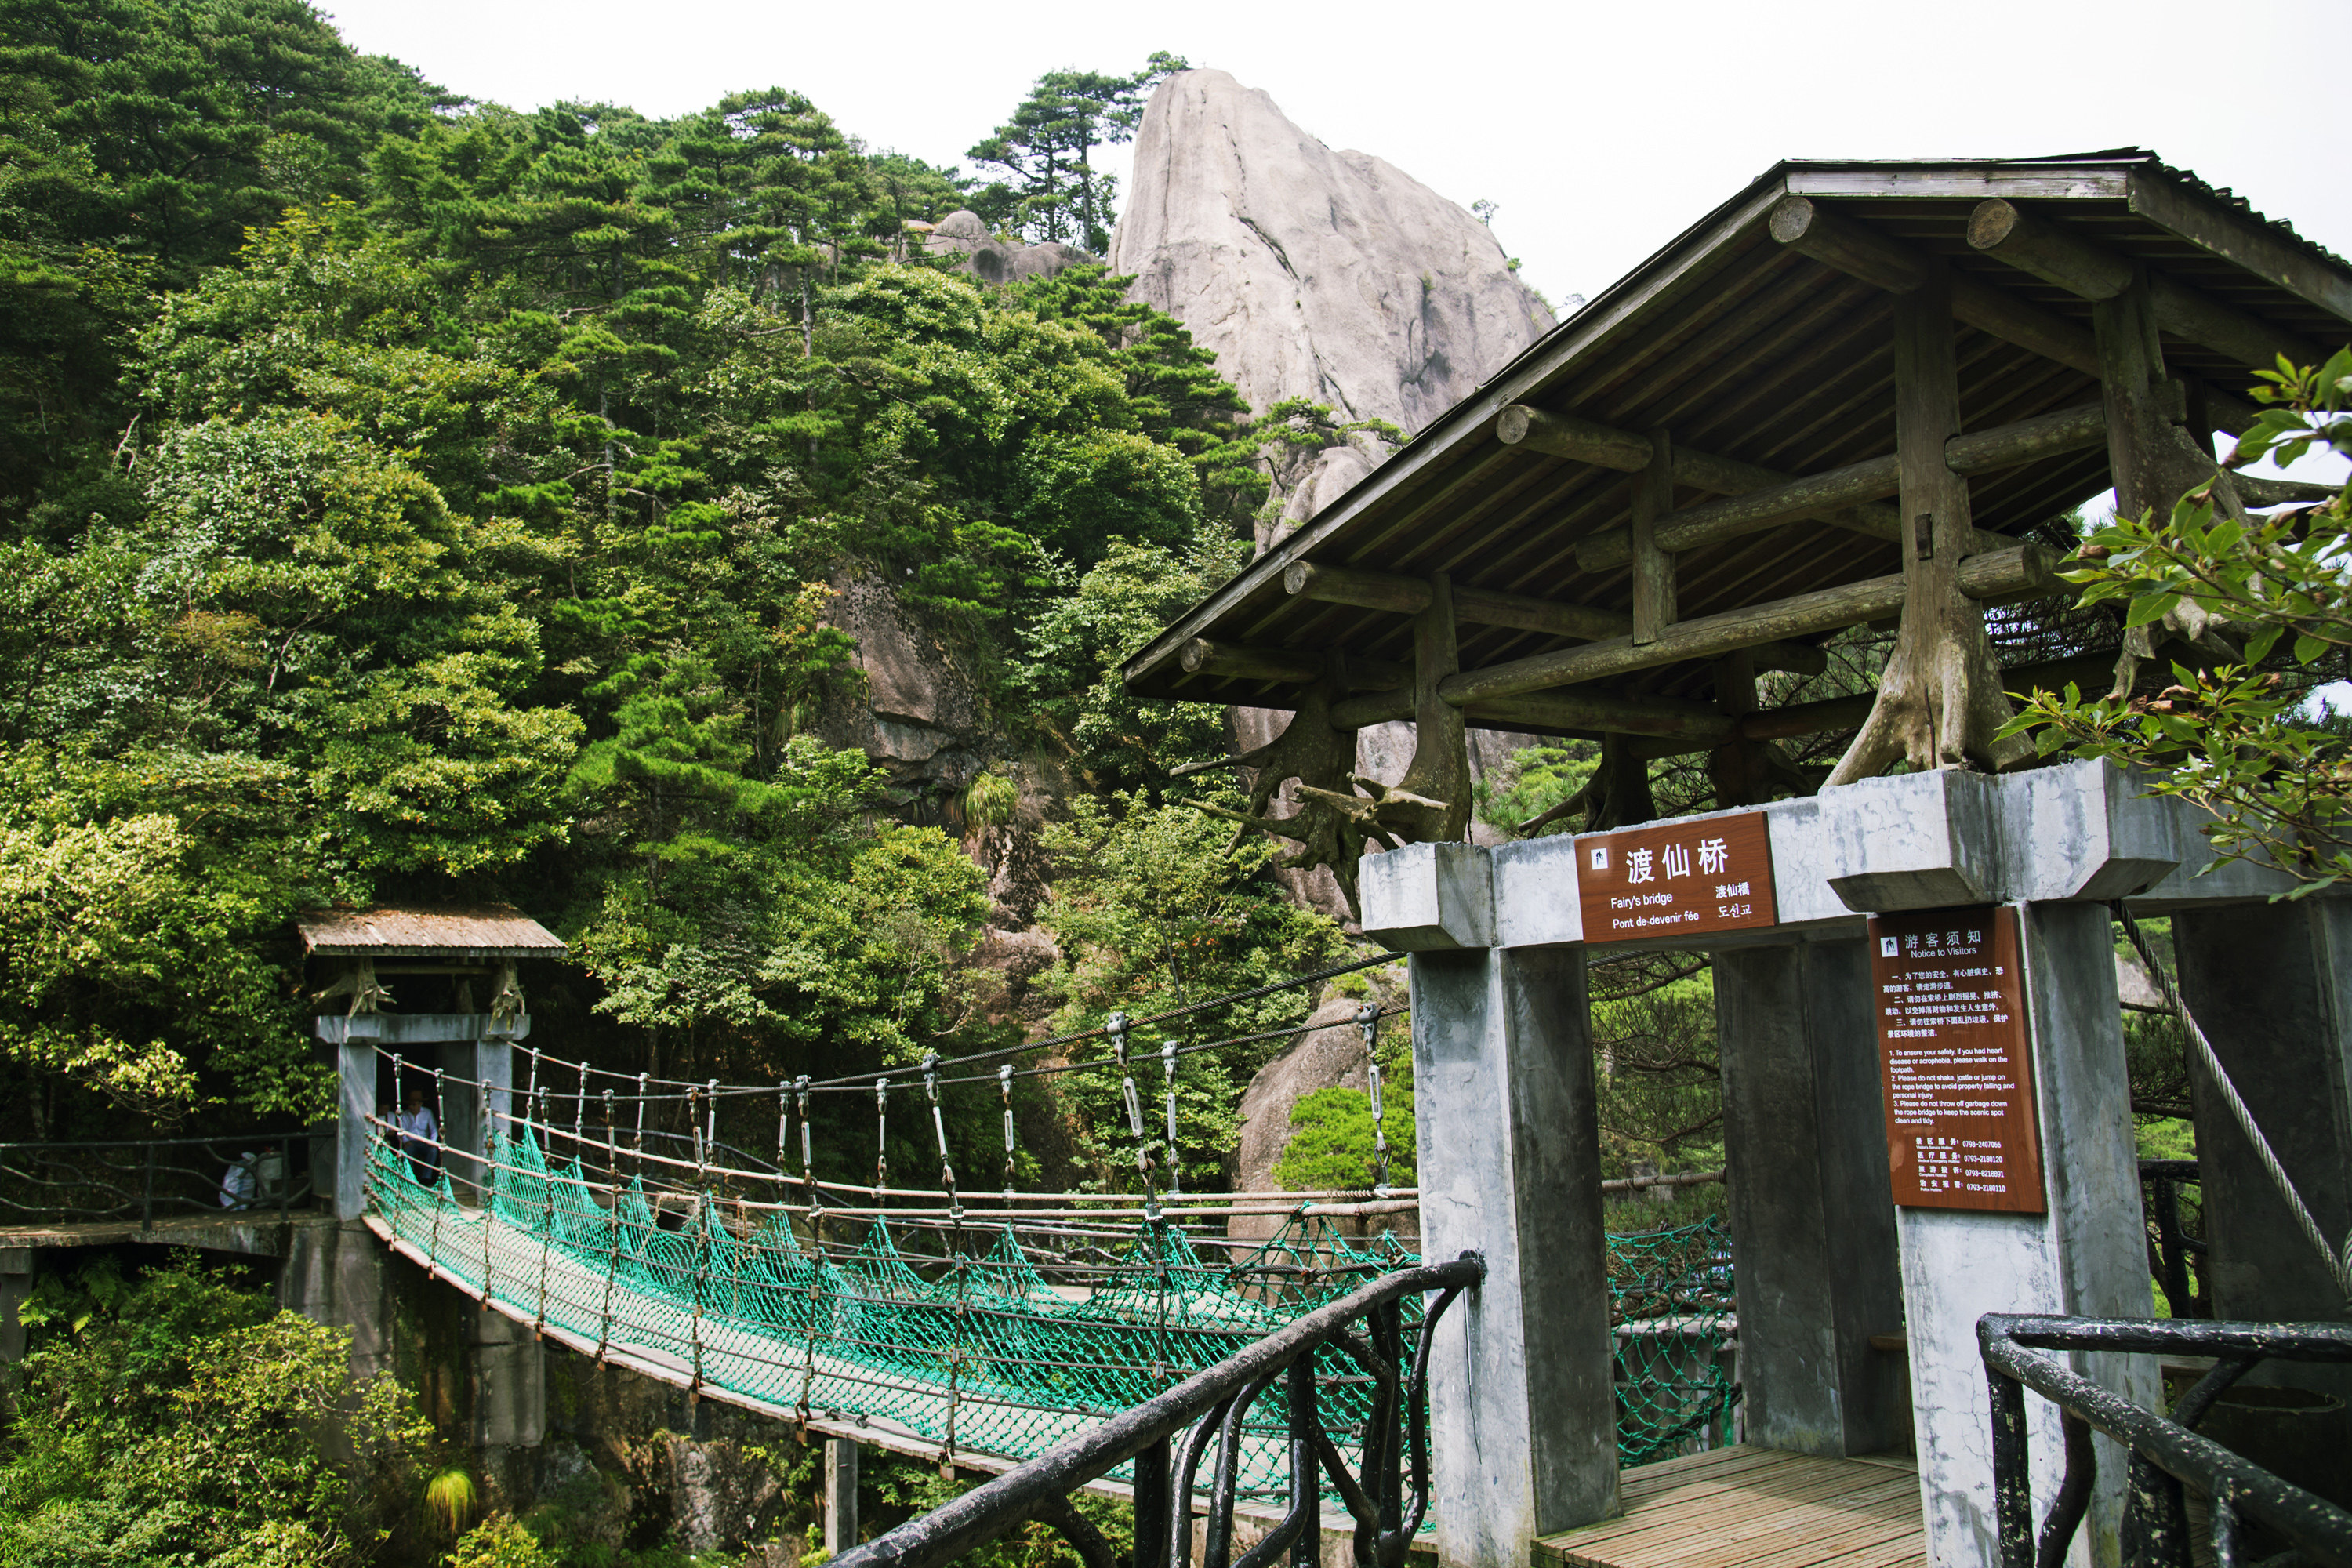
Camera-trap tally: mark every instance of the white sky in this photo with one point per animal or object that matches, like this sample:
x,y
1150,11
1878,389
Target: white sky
x,y
1601,130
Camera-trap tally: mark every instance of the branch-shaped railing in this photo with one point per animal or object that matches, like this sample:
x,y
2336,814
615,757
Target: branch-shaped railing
x,y
145,1178
2176,1257
2166,1452
1171,1436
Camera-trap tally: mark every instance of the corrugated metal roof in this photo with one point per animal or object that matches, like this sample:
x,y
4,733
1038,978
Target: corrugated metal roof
x,y
1749,350
455,930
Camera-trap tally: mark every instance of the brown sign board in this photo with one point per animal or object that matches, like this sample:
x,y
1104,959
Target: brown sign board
x,y
1676,878
1956,1060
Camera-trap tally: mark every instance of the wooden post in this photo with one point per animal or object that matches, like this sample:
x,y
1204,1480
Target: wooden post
x,y
1736,767
1441,752
1940,700
2151,457
840,1495
2131,373
1653,569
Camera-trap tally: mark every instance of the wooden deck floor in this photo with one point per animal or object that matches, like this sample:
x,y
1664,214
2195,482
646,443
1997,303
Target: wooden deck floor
x,y
1754,1507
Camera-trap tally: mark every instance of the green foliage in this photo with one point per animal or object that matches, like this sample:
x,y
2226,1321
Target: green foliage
x,y
501,1541
404,500
1151,914
1070,679
1050,189
174,1418
1331,1147
1660,1084
894,1487
2233,738
1541,777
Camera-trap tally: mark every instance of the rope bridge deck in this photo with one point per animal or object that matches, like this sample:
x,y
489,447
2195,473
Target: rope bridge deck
x,y
983,1361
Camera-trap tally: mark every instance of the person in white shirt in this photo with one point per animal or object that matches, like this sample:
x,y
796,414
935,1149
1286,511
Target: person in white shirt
x,y
237,1187
420,1137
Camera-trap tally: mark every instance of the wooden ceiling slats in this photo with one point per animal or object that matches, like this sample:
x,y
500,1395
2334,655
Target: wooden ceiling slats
x,y
1743,348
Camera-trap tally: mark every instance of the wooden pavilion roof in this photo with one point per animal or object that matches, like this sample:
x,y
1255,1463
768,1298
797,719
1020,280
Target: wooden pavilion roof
x,y
1747,349
459,931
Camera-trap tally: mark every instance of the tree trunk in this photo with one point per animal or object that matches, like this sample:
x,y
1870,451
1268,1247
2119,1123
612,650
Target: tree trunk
x,y
1940,700
2154,459
1440,772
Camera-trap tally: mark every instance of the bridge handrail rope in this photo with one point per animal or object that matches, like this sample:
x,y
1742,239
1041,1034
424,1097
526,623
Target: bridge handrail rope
x,y
2338,1262
1211,1404
704,1169
861,1082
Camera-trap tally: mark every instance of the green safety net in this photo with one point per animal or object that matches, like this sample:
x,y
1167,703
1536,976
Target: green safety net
x,y
1672,1310
974,1350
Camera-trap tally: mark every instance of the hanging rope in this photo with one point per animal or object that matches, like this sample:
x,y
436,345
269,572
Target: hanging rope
x,y
580,1108
1168,1066
611,1235
939,1127
1116,1027
1368,1019
441,1158
808,1170
1004,1085
2338,1263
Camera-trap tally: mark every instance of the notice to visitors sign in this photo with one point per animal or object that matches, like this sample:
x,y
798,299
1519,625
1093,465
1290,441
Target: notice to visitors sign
x,y
1955,1059
1678,878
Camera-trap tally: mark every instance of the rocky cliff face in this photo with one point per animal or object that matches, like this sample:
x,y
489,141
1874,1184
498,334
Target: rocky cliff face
x,y
962,234
1333,276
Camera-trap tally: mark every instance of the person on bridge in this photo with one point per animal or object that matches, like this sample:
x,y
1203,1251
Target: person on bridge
x,y
420,1138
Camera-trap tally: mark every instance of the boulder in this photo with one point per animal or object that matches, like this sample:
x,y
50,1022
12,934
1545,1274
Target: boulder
x,y
994,260
1312,273
1332,1056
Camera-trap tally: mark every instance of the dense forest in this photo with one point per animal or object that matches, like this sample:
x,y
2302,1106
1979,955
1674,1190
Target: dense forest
x,y
415,500
406,499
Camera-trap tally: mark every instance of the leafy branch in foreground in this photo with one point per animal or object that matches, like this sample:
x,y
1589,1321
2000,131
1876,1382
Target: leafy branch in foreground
x,y
2235,739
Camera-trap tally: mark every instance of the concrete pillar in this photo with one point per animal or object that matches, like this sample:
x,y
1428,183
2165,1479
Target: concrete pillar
x,y
2085,1255
335,1274
471,1114
2271,985
840,1495
1812,1223
1523,1417
16,1284
355,1055
508,1373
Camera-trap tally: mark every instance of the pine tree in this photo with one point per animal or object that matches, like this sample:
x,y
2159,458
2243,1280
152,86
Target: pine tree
x,y
1047,150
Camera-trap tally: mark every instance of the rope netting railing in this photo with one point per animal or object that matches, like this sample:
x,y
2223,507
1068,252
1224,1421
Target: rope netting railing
x,y
1674,1312
605,1209
957,1335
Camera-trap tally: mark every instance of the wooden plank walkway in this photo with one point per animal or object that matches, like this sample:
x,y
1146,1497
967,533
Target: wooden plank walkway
x,y
1755,1508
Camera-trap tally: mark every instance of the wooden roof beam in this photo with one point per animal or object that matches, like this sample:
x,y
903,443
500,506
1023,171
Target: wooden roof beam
x,y
1287,667
2088,269
1603,445
2001,574
1693,723
1852,246
1975,452
1410,595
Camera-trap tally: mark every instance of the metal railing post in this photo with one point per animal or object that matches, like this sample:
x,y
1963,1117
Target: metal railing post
x,y
147,1194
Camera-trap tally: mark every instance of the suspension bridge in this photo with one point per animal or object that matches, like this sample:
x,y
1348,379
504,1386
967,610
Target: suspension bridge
x,y
978,1330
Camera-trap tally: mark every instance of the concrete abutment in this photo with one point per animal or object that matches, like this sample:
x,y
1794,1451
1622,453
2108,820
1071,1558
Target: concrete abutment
x,y
1825,1259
